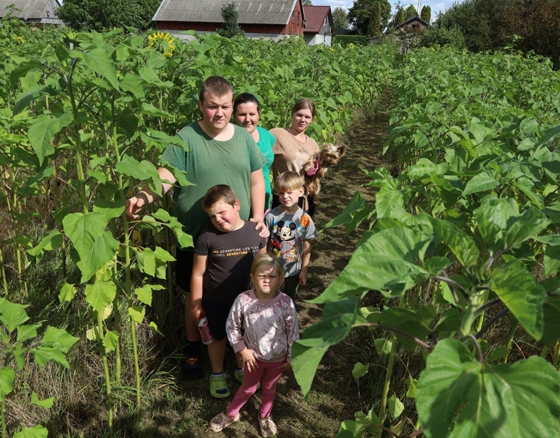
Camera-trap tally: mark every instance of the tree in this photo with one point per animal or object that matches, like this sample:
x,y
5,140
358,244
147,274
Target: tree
x,y
426,14
478,20
400,16
307,3
374,25
410,12
362,12
230,27
100,15
537,23
340,17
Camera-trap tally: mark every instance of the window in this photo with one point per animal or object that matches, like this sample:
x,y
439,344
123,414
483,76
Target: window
x,y
298,14
293,17
326,23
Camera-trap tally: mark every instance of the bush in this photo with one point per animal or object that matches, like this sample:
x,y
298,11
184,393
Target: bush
x,y
442,37
345,40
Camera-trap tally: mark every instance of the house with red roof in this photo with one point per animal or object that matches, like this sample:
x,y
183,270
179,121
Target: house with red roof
x,y
319,27
271,19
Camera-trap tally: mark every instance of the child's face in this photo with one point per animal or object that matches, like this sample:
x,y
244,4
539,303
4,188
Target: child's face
x,y
266,281
225,217
289,199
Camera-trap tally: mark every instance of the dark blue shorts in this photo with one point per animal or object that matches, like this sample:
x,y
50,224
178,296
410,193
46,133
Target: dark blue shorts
x,y
217,314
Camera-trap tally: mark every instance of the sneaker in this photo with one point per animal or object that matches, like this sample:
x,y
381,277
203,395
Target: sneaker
x,y
192,365
221,421
218,387
268,428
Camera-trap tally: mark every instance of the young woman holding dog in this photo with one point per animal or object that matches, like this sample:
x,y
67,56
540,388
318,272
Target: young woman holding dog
x,y
246,113
293,147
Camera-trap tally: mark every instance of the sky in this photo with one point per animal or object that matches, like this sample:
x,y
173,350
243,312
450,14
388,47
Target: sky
x,y
436,5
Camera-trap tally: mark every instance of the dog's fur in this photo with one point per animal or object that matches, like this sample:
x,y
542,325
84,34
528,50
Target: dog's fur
x,y
328,156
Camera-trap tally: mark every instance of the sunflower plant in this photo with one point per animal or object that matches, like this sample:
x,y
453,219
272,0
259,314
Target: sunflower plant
x,y
163,42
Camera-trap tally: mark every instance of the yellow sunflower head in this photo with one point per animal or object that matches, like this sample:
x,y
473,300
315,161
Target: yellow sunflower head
x,y
163,42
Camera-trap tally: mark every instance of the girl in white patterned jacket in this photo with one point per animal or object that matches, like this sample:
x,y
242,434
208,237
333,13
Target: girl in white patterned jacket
x,y
262,326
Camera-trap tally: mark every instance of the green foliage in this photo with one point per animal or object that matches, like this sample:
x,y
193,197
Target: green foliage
x,y
400,16
340,17
102,15
374,25
426,14
364,11
410,12
536,22
527,25
20,340
493,401
84,121
345,40
478,20
464,235
442,37
230,28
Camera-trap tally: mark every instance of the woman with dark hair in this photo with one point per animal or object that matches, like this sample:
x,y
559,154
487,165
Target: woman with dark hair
x,y
293,147
246,113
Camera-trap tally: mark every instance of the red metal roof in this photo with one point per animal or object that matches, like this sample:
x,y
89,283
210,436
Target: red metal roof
x,y
315,17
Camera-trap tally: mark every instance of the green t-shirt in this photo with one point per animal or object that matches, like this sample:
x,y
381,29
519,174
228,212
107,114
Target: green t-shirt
x,y
209,162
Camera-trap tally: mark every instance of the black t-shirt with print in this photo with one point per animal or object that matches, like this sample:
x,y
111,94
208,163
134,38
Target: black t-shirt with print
x,y
230,256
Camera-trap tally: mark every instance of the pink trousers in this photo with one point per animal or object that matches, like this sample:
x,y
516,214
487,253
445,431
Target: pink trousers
x,y
267,374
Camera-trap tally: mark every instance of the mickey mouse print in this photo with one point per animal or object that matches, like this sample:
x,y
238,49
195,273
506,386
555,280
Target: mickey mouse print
x,y
287,234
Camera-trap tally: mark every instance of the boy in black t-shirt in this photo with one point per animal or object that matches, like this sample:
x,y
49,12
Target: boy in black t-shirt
x,y
223,256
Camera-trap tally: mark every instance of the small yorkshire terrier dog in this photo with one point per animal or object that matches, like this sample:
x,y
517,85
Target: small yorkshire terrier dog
x,y
317,166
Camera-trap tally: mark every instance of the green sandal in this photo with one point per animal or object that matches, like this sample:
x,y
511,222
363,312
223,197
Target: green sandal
x,y
238,376
218,387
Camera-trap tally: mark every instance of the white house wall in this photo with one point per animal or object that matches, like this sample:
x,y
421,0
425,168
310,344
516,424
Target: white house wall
x,y
315,40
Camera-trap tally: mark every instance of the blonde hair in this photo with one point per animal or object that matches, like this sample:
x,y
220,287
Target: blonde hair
x,y
220,193
288,181
268,260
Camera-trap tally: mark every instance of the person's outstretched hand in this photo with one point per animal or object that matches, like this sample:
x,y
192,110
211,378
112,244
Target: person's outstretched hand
x,y
134,205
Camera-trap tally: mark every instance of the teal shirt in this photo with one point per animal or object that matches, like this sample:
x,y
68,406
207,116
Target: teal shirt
x,y
209,162
265,143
